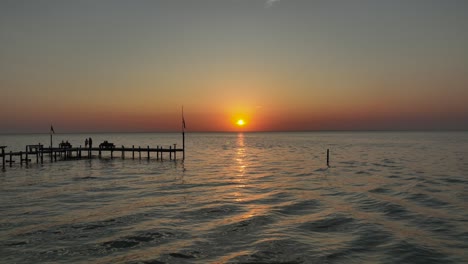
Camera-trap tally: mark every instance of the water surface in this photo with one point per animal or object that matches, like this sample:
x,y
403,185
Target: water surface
x,y
388,197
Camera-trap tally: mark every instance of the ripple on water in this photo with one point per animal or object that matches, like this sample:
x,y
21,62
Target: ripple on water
x,y
406,252
275,251
213,211
389,209
331,223
368,243
426,200
150,238
381,190
300,208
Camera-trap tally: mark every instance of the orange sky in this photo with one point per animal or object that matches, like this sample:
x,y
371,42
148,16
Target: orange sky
x,y
294,65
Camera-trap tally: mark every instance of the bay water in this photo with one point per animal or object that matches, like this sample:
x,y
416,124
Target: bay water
x,y
387,197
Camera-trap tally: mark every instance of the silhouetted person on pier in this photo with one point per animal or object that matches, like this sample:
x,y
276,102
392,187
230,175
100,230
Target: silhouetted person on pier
x,y
90,142
86,143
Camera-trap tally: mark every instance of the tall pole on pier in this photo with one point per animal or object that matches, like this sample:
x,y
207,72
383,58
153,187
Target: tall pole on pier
x,y
183,134
51,133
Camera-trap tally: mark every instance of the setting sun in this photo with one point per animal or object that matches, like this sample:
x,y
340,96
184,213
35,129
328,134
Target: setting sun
x,y
240,122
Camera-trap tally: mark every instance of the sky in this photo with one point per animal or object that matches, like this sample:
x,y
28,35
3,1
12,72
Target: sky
x,y
280,65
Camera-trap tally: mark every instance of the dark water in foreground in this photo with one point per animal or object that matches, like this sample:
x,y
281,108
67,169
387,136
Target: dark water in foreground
x,y
244,198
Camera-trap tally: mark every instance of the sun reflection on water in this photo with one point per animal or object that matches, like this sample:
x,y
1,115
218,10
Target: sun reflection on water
x,y
241,167
240,154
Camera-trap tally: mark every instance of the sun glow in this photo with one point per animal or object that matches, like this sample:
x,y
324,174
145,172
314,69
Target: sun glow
x,y
240,122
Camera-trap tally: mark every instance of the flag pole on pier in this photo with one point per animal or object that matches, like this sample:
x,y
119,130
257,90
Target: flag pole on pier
x,y
183,134
51,133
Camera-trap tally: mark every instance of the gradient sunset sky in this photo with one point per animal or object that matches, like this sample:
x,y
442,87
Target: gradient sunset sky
x,y
117,66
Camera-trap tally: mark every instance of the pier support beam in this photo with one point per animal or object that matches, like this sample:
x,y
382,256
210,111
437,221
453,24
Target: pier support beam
x,y
328,157
3,157
67,153
11,158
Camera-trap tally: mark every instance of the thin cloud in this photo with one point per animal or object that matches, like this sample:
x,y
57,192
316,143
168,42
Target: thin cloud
x,y
269,3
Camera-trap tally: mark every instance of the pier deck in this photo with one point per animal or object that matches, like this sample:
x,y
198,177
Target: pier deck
x,y
39,153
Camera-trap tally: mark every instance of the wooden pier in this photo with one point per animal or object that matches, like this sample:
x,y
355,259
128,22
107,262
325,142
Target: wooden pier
x,y
39,153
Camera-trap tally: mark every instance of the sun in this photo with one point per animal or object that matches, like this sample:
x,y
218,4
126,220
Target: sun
x,y
240,122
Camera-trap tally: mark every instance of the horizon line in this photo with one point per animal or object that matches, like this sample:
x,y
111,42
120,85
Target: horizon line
x,y
247,131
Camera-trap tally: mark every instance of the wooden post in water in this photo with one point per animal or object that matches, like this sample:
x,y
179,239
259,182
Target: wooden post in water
x,y
328,157
123,153
3,157
99,152
157,152
55,155
112,153
175,151
170,152
42,155
183,145
183,134
148,153
133,151
139,152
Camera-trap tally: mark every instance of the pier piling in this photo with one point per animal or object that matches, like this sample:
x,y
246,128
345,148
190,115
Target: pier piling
x,y
11,158
3,156
71,153
328,157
